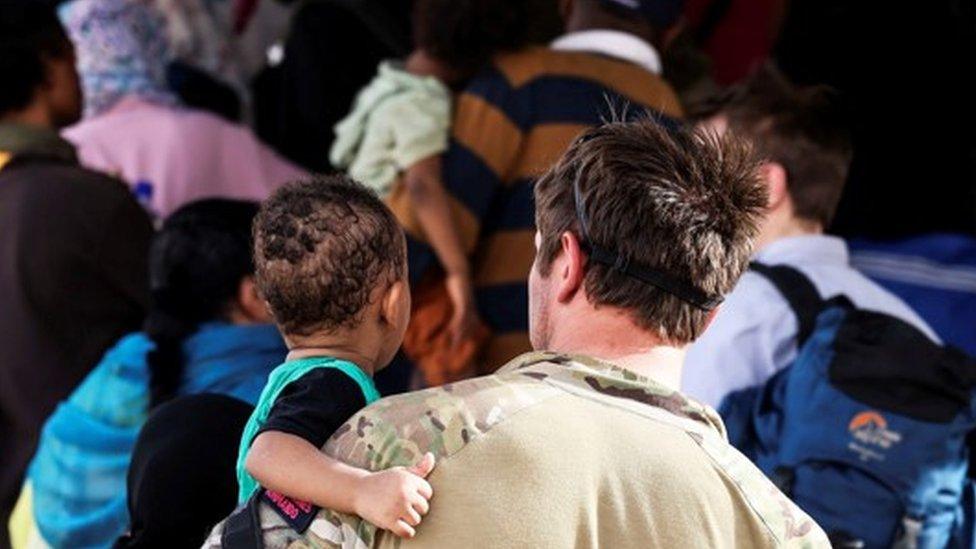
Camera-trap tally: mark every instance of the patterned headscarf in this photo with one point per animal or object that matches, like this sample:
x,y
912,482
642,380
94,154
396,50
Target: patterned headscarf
x,y
122,50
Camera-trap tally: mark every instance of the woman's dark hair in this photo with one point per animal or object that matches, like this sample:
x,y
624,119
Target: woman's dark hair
x,y
196,264
465,34
30,33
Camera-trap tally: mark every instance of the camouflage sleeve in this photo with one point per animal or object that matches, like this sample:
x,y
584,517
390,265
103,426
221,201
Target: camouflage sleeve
x,y
368,440
398,431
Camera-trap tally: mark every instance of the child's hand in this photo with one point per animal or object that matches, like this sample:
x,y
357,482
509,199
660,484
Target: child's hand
x,y
396,499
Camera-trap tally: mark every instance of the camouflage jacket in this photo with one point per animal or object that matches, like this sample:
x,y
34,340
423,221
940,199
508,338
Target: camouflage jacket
x,y
397,431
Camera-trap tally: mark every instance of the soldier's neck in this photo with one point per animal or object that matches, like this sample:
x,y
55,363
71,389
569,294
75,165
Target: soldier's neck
x,y
662,364
613,337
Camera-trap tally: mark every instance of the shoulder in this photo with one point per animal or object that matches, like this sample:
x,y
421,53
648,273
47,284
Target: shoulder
x,y
545,66
136,343
127,358
869,295
109,188
323,382
407,106
754,304
399,430
789,525
69,186
136,119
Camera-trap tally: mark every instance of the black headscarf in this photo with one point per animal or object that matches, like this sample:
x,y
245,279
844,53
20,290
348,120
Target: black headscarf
x,y
182,479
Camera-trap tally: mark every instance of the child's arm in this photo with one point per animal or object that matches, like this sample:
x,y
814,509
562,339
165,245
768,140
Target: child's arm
x,y
395,499
432,207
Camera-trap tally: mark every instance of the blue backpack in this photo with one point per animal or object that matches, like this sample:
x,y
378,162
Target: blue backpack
x,y
867,429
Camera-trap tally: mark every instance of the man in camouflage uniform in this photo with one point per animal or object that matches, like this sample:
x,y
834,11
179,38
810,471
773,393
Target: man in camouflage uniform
x,y
640,233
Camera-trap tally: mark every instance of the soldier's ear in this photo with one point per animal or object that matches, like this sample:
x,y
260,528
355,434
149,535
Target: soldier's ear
x,y
569,268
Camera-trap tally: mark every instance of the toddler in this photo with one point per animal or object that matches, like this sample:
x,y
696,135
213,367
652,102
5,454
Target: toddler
x,y
330,259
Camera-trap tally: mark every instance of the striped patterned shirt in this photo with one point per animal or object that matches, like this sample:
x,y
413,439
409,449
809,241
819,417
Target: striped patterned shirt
x,y
512,122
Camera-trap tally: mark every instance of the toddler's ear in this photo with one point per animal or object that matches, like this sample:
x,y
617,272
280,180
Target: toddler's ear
x,y
395,308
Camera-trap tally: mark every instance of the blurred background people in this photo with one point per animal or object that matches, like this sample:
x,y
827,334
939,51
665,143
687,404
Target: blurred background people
x,y
207,331
393,140
135,126
909,205
806,148
73,242
331,52
513,120
218,46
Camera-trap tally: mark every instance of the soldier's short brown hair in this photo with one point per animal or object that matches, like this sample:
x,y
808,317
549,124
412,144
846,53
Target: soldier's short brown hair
x,y
683,203
321,247
800,128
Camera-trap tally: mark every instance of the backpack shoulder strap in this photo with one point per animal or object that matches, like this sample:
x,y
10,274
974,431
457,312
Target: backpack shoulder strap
x,y
799,292
242,530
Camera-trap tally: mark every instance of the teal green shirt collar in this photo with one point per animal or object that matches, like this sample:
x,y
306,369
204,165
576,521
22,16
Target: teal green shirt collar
x,y
277,381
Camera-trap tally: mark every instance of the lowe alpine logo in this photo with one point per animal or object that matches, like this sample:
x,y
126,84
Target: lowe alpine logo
x,y
871,435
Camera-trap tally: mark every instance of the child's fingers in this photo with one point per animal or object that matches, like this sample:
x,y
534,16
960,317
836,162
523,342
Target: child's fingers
x,y
424,466
403,530
424,489
411,516
421,504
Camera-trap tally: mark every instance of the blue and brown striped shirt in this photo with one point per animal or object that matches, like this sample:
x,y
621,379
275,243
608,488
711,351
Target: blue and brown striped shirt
x,y
512,122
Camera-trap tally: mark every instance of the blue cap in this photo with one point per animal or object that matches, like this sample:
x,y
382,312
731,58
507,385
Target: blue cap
x,y
660,13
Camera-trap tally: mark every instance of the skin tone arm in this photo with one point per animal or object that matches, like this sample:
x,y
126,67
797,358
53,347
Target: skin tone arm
x,y
432,206
395,499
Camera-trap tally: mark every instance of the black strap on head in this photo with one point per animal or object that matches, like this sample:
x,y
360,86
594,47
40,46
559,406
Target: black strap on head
x,y
799,292
661,280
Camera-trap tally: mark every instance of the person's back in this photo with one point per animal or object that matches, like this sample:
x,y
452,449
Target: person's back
x,y
73,242
169,472
176,150
807,155
758,321
548,456
511,123
69,287
206,331
330,53
135,128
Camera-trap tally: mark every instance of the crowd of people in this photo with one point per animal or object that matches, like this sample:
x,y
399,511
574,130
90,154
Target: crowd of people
x,y
465,273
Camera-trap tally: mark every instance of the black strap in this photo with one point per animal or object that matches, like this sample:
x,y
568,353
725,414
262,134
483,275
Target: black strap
x,y
800,293
242,530
681,289
659,279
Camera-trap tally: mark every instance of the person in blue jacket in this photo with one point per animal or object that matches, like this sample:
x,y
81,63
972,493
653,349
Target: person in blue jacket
x,y
208,331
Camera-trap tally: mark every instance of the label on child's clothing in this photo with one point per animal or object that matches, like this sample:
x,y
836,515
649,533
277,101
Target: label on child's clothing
x,y
298,514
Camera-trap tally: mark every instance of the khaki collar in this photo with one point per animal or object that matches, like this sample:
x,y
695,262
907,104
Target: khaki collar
x,y
609,380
